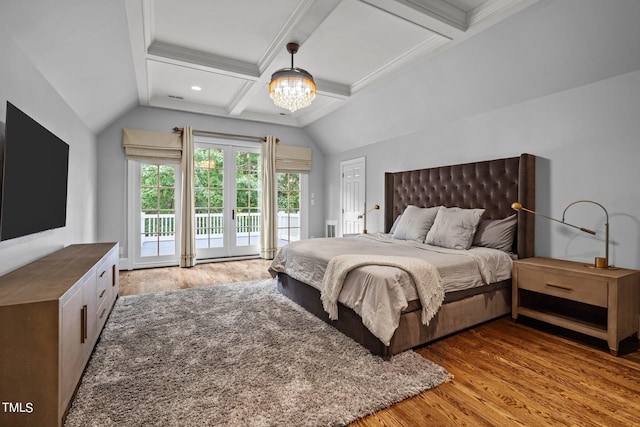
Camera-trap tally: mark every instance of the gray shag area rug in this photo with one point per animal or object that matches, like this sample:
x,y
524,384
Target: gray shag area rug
x,y
238,354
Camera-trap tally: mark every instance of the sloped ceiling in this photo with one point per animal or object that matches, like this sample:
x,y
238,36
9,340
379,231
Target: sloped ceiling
x,y
104,57
231,49
82,48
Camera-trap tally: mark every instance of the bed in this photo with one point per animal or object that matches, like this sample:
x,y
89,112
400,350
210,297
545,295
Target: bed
x,y
487,186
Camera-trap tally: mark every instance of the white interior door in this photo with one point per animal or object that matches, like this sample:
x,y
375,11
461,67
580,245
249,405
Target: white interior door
x,y
353,195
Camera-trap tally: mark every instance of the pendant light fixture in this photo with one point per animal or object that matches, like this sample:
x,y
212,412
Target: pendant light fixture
x,y
292,88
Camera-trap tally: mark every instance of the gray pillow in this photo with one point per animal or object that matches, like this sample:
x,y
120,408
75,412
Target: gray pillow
x,y
496,233
454,228
415,223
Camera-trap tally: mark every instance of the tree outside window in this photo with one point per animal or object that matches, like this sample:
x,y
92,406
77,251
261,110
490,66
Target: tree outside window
x,y
157,203
289,224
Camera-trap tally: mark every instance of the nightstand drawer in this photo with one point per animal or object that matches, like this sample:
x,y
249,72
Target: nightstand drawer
x,y
575,288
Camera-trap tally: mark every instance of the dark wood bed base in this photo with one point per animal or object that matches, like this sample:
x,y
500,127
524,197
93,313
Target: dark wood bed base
x,y
493,185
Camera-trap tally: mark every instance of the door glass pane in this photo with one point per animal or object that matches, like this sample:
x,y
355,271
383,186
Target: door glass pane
x,y
209,191
289,224
157,203
247,198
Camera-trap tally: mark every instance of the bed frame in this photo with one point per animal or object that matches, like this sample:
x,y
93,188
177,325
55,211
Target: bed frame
x,y
492,185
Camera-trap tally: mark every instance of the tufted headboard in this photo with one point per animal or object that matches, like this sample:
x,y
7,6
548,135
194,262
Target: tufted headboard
x,y
492,185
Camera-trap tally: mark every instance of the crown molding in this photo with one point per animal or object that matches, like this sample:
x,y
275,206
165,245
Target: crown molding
x,y
174,104
440,10
447,26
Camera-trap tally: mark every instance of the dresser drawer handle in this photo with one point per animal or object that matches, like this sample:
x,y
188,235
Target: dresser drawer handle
x,y
553,285
103,273
102,314
102,293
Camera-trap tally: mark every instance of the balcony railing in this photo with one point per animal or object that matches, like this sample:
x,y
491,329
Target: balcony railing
x,y
163,226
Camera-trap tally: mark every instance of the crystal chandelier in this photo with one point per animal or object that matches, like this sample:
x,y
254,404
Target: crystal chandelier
x,y
292,88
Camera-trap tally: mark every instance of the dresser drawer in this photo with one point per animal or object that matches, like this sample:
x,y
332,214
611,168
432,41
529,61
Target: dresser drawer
x,y
576,288
103,310
103,282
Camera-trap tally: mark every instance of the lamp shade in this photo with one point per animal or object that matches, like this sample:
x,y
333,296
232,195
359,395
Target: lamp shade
x,y
292,88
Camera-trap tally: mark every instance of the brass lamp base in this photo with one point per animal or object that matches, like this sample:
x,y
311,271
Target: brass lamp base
x,y
601,262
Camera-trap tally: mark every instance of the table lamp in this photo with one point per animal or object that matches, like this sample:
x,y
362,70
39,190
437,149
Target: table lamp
x,y
364,216
600,262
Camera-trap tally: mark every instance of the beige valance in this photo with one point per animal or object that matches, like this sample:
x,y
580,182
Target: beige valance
x,y
291,159
150,145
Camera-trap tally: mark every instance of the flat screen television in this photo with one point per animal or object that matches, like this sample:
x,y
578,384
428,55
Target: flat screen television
x,y
34,165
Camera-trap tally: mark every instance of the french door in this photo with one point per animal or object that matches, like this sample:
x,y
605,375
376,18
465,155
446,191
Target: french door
x,y
227,205
155,194
227,199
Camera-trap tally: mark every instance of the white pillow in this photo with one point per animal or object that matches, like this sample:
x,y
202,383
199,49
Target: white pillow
x,y
454,228
395,224
415,223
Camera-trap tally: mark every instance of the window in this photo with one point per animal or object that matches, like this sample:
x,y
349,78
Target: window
x,y
289,220
209,197
247,213
158,210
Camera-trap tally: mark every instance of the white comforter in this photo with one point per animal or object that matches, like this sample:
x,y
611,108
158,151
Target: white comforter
x,y
378,293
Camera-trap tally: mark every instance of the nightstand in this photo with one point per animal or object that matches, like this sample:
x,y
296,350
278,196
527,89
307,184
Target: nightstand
x,y
603,303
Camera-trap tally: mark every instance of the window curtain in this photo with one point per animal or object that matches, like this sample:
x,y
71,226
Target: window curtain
x,y
188,235
269,215
291,159
151,146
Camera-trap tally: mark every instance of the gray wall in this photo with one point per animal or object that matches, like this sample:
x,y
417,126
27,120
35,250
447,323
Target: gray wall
x,y
112,168
559,80
23,85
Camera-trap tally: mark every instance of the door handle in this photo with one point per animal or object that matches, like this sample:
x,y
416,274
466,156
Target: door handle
x,y
233,214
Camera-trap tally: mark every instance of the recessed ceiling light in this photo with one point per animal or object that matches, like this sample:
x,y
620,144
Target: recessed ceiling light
x,y
196,88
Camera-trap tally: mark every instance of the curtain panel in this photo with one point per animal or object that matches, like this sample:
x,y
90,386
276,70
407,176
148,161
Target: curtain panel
x,y
269,208
188,234
291,159
151,145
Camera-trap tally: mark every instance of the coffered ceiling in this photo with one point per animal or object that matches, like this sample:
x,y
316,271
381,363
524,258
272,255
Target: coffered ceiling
x,y
230,48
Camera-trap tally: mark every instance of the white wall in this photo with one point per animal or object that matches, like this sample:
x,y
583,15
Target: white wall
x,y
23,85
560,80
112,197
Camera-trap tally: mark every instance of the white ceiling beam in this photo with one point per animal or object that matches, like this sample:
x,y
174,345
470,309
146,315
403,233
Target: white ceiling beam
x,y
216,63
437,16
332,89
137,19
175,104
440,10
302,22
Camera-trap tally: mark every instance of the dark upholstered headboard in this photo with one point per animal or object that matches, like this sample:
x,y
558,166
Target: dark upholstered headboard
x,y
493,185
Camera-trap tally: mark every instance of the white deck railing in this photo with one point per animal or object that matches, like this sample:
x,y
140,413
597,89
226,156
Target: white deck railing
x,y
163,226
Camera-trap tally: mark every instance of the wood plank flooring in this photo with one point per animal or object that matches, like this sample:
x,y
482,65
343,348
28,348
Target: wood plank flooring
x,y
212,273
505,373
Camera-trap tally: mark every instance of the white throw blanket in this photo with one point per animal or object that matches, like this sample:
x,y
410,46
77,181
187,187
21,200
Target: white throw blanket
x,y
424,275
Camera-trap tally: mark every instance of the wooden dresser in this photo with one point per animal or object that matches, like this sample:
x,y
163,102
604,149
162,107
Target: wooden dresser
x,y
603,303
51,314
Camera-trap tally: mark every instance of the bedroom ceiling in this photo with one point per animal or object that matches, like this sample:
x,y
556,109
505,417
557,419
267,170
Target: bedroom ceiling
x,y
230,49
104,57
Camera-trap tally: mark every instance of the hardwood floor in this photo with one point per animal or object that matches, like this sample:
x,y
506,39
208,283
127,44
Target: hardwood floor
x,y
212,273
505,373
513,374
